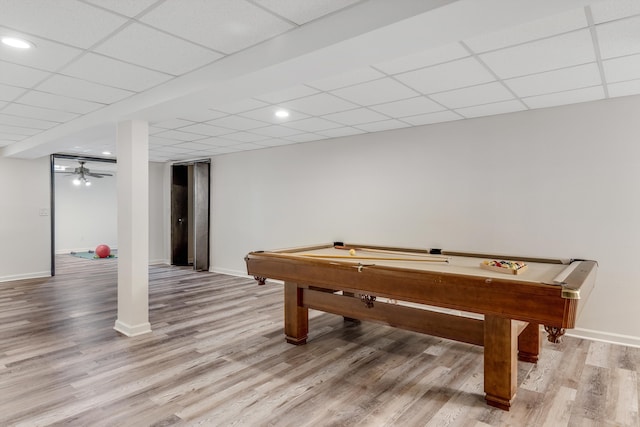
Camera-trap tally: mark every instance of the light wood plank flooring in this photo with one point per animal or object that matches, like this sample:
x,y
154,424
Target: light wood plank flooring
x,y
217,356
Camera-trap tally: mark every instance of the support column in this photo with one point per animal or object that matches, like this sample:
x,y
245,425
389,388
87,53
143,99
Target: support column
x,y
133,228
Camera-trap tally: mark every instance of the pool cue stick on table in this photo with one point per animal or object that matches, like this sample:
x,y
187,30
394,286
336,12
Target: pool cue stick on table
x,y
356,257
386,251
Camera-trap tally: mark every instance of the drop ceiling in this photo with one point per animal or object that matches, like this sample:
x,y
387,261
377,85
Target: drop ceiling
x,y
208,75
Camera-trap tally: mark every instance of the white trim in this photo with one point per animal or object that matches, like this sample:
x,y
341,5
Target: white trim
x,y
35,275
608,337
132,331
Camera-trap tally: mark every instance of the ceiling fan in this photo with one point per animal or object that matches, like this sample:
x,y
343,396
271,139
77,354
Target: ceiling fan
x,y
81,174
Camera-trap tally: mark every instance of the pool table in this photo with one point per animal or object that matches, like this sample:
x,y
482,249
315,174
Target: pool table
x,y
436,292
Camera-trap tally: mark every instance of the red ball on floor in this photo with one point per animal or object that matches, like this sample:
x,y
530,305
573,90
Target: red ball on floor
x,y
103,251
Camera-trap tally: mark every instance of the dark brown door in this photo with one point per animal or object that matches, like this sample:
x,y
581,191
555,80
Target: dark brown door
x,y
180,215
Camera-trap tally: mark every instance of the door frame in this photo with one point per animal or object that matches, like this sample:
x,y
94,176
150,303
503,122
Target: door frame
x,y
52,187
203,208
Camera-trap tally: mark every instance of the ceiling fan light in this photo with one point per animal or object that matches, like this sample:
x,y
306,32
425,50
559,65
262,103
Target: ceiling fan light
x,y
76,181
87,183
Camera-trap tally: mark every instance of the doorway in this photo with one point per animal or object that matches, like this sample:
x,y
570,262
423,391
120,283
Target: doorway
x,y
190,214
83,204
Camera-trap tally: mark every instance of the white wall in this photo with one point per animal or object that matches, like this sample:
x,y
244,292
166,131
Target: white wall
x,y
85,216
559,182
25,234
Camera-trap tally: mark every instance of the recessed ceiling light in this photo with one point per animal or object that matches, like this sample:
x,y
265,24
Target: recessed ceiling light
x,y
282,114
106,153
17,43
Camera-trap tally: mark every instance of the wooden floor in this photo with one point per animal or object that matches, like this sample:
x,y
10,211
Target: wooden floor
x,y
217,356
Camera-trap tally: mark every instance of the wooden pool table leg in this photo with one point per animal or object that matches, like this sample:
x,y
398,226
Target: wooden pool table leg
x,y
500,361
296,317
529,342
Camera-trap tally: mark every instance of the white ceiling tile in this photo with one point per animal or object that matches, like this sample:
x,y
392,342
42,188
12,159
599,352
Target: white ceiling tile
x,y
408,107
172,123
312,124
340,132
609,10
174,149
563,98
12,137
195,146
287,94
306,137
268,114
274,142
376,92
156,141
124,7
619,38
46,100
218,142
423,59
179,135
382,126
452,75
201,115
39,113
491,109
557,24
347,79
620,69
301,12
276,131
239,106
82,89
245,137
27,122
148,47
475,95
67,21
110,72
237,123
9,93
224,25
556,81
631,87
18,130
205,129
430,118
18,75
242,146
317,105
46,55
355,117
543,55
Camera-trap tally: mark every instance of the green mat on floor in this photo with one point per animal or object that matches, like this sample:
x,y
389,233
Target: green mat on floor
x,y
92,255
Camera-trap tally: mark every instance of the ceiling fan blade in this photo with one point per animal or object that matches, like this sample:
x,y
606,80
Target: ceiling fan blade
x,y
97,175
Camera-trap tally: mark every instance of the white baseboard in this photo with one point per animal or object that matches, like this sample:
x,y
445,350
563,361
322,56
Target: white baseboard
x,y
608,337
34,275
132,331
